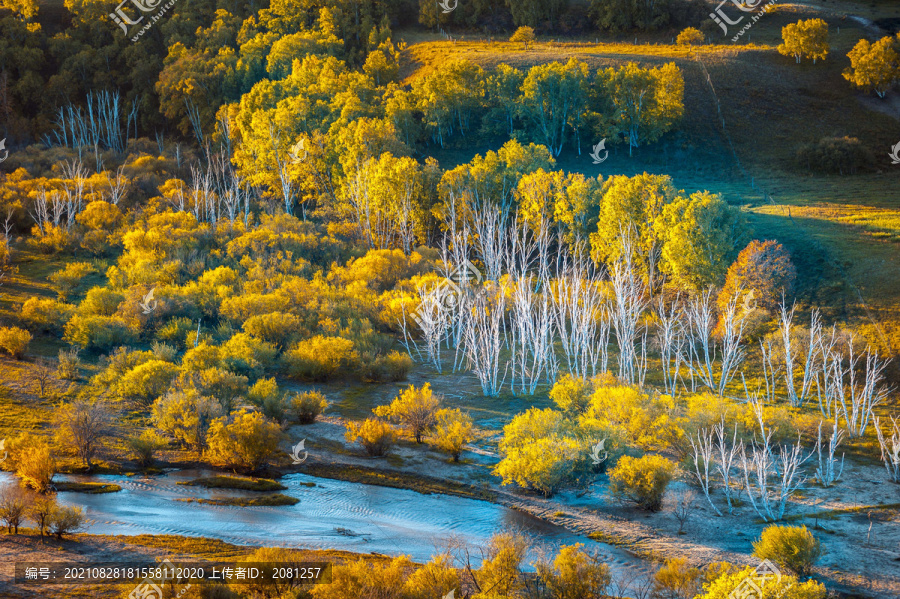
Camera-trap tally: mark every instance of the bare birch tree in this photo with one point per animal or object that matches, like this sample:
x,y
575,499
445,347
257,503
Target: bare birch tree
x,y
825,471
630,301
704,463
890,455
484,337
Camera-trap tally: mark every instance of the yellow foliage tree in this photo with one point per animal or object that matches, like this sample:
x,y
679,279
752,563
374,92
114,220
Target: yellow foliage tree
x,y
575,574
246,443
873,67
376,436
805,38
453,429
414,409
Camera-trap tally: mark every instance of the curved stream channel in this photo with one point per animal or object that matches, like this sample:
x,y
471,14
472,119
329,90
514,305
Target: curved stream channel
x,y
332,514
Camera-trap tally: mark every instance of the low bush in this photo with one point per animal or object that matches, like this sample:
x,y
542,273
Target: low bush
x,y
453,429
376,436
246,443
45,315
733,584
676,580
642,480
176,331
14,341
143,447
319,358
67,368
414,409
71,277
266,395
99,332
388,368
65,520
791,546
648,419
33,461
307,406
837,155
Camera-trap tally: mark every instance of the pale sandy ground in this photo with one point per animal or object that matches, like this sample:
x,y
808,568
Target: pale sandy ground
x,y
862,555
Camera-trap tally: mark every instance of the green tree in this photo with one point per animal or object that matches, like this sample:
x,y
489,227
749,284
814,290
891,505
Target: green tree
x,y
143,447
554,98
65,520
308,405
873,67
222,384
383,64
534,12
676,580
450,98
700,233
626,15
490,180
40,510
14,341
648,102
805,38
504,89
571,394
319,358
32,461
631,207
145,382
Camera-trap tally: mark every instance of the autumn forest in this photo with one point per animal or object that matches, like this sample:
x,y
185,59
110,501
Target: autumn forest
x,y
449,299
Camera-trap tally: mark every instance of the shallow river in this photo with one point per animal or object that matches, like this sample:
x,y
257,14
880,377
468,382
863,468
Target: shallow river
x,y
332,514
